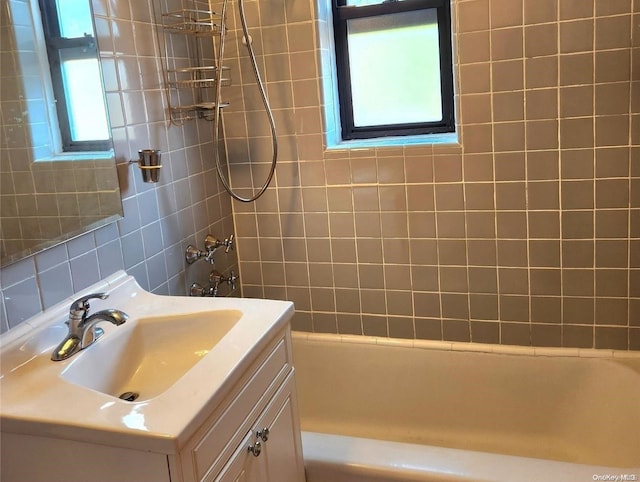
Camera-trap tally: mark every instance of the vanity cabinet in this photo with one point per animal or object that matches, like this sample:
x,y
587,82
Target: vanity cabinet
x,y
255,435
230,444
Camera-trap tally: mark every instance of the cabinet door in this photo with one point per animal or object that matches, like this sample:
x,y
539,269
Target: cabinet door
x,y
281,450
243,466
279,457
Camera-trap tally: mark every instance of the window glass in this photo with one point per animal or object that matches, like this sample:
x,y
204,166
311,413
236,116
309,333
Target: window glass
x,y
84,97
74,18
395,68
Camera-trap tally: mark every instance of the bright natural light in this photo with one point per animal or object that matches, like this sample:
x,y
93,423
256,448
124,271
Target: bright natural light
x,y
395,68
85,100
75,18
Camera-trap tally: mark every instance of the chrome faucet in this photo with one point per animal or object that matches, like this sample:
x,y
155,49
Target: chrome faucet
x,y
83,331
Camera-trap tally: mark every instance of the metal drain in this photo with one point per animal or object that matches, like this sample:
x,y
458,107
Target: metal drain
x,y
129,396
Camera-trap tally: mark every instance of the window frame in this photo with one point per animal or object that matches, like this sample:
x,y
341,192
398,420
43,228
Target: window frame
x,y
341,14
83,47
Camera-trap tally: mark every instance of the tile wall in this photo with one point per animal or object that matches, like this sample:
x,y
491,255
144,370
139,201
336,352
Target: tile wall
x,y
159,220
40,201
526,233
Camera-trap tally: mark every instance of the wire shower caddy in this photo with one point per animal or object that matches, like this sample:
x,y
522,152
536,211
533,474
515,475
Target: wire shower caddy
x,y
191,44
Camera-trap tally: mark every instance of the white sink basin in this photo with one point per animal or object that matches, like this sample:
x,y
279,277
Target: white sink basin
x,y
146,356
182,355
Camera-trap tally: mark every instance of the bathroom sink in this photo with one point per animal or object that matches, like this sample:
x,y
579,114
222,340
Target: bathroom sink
x,y
144,357
180,356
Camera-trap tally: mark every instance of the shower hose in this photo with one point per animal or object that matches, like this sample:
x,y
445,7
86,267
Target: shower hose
x,y
216,121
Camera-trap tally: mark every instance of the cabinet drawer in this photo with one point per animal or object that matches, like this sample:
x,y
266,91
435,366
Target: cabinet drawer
x,y
206,454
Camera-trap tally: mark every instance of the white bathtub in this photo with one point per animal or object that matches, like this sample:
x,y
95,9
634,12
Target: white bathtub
x,y
375,409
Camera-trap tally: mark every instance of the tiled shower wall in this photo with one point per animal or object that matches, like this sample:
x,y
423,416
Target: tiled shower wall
x,y
527,232
159,220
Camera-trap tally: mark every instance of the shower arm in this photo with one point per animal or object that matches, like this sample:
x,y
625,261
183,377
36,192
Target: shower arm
x,y
217,114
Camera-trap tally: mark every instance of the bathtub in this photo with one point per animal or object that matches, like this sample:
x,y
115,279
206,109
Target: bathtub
x,y
378,409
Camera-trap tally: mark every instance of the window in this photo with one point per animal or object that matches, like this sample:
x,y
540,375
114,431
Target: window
x,y
75,75
394,67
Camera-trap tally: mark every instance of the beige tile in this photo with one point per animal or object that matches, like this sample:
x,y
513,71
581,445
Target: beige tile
x,y
512,253
475,109
507,75
576,133
541,40
612,66
577,164
542,134
514,308
480,225
578,69
611,312
473,15
506,44
613,32
540,11
453,279
612,193
577,224
509,136
510,196
506,13
544,253
545,282
513,281
578,282
542,104
612,98
542,71
455,305
612,130
576,36
543,195
449,197
578,311
508,106
576,101
481,252
509,166
612,282
477,138
474,47
450,225
542,165
612,253
475,78
452,252
546,309
512,224
477,167
573,9
544,224
515,334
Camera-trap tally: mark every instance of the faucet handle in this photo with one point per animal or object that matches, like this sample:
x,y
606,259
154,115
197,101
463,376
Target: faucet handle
x,y
81,305
228,244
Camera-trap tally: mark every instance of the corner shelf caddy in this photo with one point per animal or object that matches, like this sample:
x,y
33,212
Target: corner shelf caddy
x,y
192,43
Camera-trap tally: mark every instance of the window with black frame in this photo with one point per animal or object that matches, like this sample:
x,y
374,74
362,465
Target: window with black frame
x,y
394,67
75,75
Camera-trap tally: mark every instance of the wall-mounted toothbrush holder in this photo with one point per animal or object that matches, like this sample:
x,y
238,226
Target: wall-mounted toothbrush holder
x,y
149,164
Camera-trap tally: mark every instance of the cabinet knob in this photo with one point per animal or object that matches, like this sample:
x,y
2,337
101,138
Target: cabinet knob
x,y
263,434
255,449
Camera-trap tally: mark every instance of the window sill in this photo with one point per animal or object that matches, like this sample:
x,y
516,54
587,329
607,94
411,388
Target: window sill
x,y
427,139
78,156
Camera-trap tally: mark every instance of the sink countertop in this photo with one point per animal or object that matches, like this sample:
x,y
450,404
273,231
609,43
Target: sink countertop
x,y
36,400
